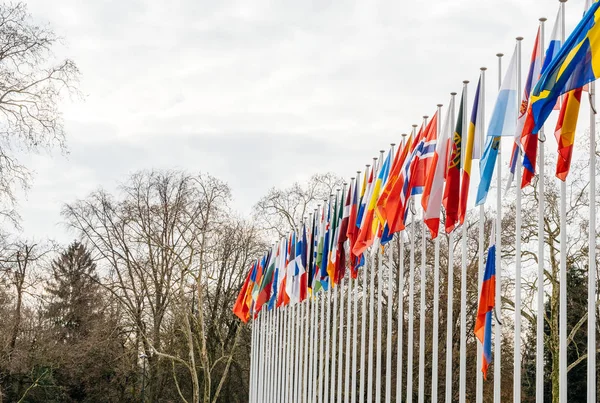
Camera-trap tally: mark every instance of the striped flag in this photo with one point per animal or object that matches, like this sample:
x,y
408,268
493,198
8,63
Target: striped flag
x,y
452,189
436,177
472,151
565,132
487,301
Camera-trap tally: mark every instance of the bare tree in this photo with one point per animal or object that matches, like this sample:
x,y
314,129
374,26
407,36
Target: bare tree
x,y
32,83
280,210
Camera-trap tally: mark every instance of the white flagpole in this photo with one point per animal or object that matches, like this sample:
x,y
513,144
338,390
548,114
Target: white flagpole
x,y
363,327
278,376
327,385
518,219
252,364
335,293
371,330
284,356
306,356
411,308
450,303
349,323
297,356
462,390
270,345
274,354
322,357
261,361
256,322
379,325
436,296
498,302
563,363
481,121
353,286
591,364
340,367
371,315
354,322
265,383
310,346
539,374
390,302
422,342
313,349
400,341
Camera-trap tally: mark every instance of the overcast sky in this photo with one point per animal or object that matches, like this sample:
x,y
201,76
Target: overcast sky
x,y
258,93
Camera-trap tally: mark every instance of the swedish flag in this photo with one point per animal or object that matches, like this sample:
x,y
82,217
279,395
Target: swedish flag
x,y
577,64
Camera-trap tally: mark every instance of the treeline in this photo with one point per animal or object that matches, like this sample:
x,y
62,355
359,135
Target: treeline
x,y
139,307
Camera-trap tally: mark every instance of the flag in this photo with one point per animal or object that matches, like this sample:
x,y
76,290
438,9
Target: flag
x,y
436,177
352,231
301,267
487,300
504,116
523,133
495,131
370,223
241,308
291,267
565,132
335,233
282,296
266,283
388,204
340,261
324,276
472,145
452,189
317,284
576,64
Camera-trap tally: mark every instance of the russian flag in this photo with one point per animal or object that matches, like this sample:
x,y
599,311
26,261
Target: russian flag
x,y
487,298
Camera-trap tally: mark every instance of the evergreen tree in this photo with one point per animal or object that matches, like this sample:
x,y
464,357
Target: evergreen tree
x,y
74,293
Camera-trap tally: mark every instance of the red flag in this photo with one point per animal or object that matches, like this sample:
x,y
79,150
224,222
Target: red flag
x,y
452,189
565,132
241,308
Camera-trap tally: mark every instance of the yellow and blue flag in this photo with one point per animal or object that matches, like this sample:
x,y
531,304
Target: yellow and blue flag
x,y
577,64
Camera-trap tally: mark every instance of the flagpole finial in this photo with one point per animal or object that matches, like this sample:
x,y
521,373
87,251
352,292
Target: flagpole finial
x,y
563,1
358,173
519,38
425,117
404,134
499,54
368,165
393,144
453,93
466,82
439,105
382,151
543,19
483,68
352,178
415,126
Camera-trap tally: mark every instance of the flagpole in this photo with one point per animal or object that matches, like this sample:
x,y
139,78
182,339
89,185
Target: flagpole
x,y
400,342
436,297
261,361
539,378
421,395
322,357
284,333
411,307
269,375
349,324
312,345
306,356
340,340
278,355
390,302
327,337
371,316
563,269
479,385
271,354
354,287
363,326
266,354
379,325
335,292
299,351
252,364
591,366
463,278
518,219
498,302
450,297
